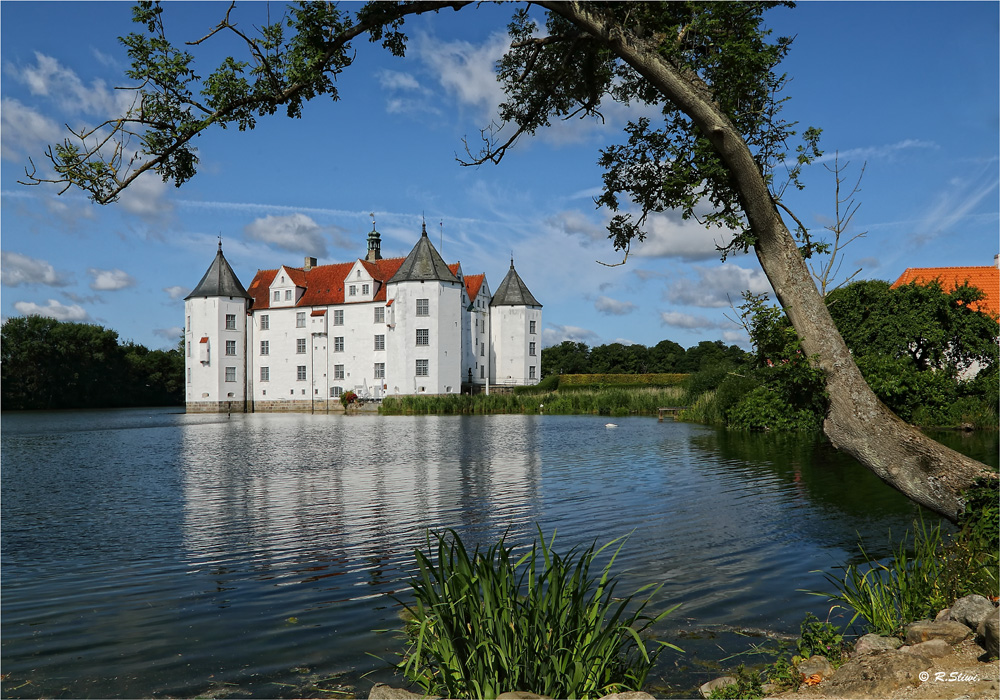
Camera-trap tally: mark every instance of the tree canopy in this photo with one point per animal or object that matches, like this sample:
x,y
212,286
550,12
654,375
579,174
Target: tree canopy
x,y
49,364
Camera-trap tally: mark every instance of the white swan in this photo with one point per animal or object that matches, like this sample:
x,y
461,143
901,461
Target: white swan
x,y
610,425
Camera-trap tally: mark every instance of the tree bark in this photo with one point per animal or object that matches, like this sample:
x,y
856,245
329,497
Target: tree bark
x,y
857,422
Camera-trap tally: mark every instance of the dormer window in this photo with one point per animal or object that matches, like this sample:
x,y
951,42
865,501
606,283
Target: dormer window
x,y
353,290
364,289
277,295
288,295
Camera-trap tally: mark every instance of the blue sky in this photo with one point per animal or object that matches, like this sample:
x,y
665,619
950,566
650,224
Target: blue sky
x,y
911,88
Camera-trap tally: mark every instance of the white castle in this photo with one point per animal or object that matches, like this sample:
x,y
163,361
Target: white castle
x,y
299,337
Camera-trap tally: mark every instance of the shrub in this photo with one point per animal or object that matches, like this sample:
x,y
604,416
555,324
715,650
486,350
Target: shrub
x,y
348,397
494,622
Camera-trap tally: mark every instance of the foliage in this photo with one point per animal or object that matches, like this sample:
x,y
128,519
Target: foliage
x,y
747,685
493,621
666,357
568,381
921,323
619,401
926,576
912,343
49,364
820,638
781,390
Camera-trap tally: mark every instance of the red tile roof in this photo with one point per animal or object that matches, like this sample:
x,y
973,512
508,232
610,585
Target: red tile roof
x,y
986,279
323,284
473,283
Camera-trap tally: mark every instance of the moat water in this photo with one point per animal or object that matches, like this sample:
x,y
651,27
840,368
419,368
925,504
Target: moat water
x,y
152,553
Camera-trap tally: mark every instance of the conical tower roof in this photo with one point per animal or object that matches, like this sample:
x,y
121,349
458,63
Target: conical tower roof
x,y
219,281
423,263
513,291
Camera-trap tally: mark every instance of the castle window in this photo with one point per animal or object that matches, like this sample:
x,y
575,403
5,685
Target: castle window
x,y
338,317
230,374
423,368
531,327
300,319
300,346
265,322
379,314
353,290
482,372
482,349
338,371
423,336
423,307
277,295
338,343
380,370
531,349
364,289
380,342
265,374
230,322
335,392
189,375
531,372
300,373
265,347
230,347
288,295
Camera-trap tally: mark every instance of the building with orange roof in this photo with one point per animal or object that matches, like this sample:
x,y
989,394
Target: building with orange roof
x,y
298,337
985,278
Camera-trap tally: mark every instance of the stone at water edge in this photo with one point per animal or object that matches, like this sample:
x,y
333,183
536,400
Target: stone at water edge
x,y
943,615
931,649
815,666
870,643
722,682
381,691
629,695
971,610
876,675
989,634
949,630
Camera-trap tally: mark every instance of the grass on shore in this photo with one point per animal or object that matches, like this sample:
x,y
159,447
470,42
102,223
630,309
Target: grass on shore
x,y
605,402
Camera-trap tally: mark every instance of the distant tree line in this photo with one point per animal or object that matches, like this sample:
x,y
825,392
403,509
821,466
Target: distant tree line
x,y
49,364
666,357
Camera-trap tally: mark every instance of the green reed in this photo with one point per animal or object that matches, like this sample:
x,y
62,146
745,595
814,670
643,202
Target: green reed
x,y
540,622
618,401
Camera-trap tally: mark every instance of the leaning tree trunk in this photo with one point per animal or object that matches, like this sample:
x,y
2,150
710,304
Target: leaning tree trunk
x,y
857,422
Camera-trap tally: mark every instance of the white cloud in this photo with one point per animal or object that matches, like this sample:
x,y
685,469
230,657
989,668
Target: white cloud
x,y
682,320
24,131
717,286
19,269
177,292
553,335
146,197
395,80
613,307
575,222
49,78
668,235
297,233
53,309
172,334
109,280
467,71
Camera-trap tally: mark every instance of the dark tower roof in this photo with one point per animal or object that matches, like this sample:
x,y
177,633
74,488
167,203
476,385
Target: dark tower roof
x,y
513,291
424,263
374,244
219,281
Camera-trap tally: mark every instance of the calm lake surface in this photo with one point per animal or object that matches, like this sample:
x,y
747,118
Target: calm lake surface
x,y
153,553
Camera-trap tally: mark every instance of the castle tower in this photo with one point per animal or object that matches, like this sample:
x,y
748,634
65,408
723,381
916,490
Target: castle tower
x,y
515,333
374,244
424,319
215,338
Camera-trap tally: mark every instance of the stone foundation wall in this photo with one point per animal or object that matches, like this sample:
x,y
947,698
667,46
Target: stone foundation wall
x,y
215,407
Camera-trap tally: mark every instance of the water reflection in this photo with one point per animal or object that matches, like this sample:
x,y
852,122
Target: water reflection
x,y
149,553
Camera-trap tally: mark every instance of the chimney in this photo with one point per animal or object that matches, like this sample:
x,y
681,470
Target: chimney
x,y
309,264
996,260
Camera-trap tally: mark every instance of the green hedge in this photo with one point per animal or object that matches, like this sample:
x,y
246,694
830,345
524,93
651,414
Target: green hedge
x,y
616,380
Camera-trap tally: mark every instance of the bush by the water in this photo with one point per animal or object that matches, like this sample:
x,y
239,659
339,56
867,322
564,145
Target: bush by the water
x,y
494,621
928,571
